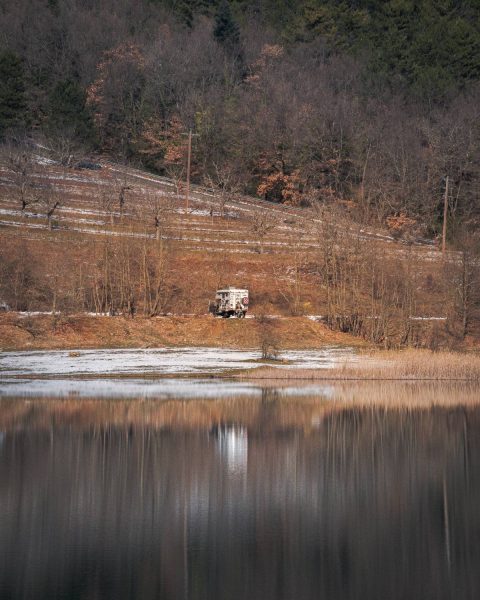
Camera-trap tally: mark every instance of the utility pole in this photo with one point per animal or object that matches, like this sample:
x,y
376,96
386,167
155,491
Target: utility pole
x,y
445,213
189,160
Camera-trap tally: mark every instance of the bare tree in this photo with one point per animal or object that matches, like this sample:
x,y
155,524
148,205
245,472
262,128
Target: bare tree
x,y
22,168
462,278
107,201
268,338
262,221
176,172
49,201
290,279
63,148
223,184
122,188
157,288
159,209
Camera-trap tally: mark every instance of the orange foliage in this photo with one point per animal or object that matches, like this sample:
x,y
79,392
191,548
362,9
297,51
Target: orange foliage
x,y
268,54
399,223
282,188
158,140
126,55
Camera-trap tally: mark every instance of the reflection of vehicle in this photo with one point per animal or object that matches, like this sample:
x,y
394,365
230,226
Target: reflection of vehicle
x,y
232,445
230,302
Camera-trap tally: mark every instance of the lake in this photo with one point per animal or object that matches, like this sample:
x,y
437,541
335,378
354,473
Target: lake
x,y
137,488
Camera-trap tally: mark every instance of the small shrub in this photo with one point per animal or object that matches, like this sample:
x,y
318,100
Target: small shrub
x,y
269,344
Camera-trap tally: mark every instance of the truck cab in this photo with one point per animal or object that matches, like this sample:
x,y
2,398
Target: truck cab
x,y
230,302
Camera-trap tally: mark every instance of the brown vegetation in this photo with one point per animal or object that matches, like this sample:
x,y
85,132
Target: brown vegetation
x,y
330,146
392,365
120,243
23,332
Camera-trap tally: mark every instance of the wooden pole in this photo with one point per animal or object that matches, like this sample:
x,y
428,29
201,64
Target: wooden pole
x,y
189,160
445,213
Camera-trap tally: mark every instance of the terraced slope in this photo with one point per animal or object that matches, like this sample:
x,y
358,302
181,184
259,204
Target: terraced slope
x,y
89,204
272,249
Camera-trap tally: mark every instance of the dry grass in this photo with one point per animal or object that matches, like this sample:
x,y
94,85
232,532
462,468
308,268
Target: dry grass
x,y
408,365
223,250
44,332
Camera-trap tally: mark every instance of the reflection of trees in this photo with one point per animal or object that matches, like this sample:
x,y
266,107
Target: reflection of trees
x,y
273,411
374,503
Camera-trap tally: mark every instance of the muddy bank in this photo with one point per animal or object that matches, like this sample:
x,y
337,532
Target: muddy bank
x,y
43,332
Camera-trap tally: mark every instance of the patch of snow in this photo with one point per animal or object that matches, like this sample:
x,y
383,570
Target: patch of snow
x,y
427,318
34,215
34,313
19,224
159,361
69,177
91,211
43,160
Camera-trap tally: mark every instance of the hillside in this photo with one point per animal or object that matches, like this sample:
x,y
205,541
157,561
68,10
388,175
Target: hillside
x,y
372,104
328,144
120,241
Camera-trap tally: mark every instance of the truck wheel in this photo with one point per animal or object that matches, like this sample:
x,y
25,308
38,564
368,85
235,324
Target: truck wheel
x,y
241,315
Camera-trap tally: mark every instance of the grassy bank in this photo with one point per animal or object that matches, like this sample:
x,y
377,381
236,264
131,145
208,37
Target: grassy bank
x,y
409,365
47,332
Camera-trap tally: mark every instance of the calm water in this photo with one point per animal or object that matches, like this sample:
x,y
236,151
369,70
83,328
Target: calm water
x,y
246,494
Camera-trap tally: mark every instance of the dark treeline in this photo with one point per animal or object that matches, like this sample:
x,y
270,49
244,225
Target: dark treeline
x,y
366,104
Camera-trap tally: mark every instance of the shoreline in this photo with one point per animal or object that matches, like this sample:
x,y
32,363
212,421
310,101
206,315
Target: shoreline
x,y
332,364
233,377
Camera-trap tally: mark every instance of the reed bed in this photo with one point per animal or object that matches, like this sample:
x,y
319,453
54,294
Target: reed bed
x,y
409,365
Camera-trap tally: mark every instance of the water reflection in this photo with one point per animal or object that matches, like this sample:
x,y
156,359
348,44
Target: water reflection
x,y
248,498
232,444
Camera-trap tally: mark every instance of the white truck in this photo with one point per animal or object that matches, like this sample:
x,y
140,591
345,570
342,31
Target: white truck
x,y
230,302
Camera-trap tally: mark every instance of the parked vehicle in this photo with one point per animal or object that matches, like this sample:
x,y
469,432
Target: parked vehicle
x,y
88,164
230,302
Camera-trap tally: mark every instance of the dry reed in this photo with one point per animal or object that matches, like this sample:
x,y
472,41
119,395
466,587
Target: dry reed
x,y
409,365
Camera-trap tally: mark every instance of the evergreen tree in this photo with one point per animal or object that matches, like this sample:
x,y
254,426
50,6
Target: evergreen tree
x,y
185,13
67,111
187,10
12,91
226,30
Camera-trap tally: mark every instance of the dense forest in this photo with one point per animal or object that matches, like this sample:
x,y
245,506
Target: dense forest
x,y
365,104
